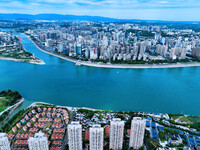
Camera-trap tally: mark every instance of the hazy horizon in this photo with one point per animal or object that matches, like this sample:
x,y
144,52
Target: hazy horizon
x,y
168,10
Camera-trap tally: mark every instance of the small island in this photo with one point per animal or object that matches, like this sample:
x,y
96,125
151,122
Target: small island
x,y
13,49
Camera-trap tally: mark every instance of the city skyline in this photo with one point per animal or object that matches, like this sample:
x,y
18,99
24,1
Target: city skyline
x,y
185,10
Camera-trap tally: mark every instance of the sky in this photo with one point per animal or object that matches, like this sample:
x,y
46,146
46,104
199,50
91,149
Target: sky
x,y
170,10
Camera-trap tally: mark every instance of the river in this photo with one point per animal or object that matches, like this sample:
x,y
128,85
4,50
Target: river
x,y
175,90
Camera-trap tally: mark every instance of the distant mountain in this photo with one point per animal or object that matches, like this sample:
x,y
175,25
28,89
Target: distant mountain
x,y
54,17
78,18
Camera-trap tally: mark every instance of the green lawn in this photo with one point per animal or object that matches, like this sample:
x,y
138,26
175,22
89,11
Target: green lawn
x,y
185,119
8,98
195,119
175,116
3,103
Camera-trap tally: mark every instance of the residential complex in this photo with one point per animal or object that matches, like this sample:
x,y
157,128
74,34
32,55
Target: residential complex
x,y
45,126
40,128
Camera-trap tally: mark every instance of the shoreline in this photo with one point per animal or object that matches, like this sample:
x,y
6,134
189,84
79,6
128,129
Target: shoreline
x,y
68,107
21,60
120,66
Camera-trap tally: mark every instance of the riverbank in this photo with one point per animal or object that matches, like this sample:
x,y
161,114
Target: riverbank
x,y
121,66
40,62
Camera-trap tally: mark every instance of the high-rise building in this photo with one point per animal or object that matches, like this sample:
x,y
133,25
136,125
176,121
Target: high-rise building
x,y
75,136
78,50
142,48
4,143
96,137
183,53
49,43
116,134
172,53
38,142
196,52
137,132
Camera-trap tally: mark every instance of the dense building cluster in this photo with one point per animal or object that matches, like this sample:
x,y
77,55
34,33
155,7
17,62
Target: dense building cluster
x,y
117,41
40,124
56,128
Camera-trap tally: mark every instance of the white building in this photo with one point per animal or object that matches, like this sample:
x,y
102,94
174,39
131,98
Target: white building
x,y
96,137
4,143
116,134
38,142
183,53
75,136
49,43
172,53
137,132
60,47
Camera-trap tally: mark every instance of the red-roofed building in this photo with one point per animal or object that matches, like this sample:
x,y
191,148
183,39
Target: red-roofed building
x,y
14,129
30,114
54,109
128,131
53,114
25,128
57,125
34,119
43,114
44,109
65,116
39,109
10,136
23,121
56,143
87,134
29,124
55,148
58,115
33,111
20,143
57,136
59,109
37,116
18,125
48,114
26,117
107,129
18,136
66,121
58,130
57,120
33,130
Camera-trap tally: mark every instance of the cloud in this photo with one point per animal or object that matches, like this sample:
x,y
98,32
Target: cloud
x,y
163,2
138,9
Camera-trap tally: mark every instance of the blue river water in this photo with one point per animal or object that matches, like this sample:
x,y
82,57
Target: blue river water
x,y
61,82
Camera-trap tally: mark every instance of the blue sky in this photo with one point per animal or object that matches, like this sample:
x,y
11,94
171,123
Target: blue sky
x,y
172,10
